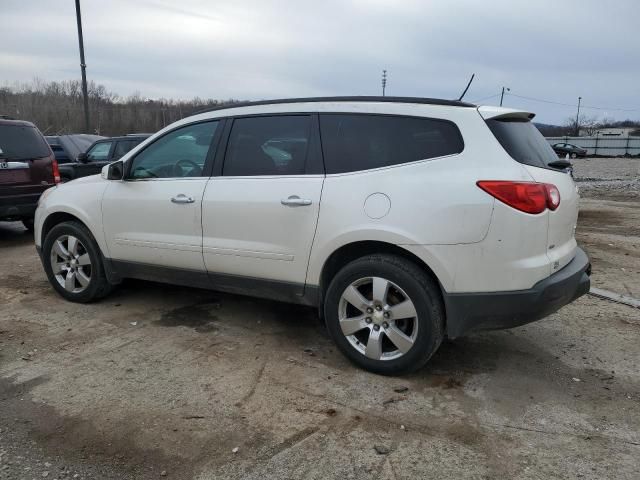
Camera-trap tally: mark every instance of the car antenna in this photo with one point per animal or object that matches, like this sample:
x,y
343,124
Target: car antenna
x,y
468,85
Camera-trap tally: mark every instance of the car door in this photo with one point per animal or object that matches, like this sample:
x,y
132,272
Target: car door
x,y
153,216
97,157
260,210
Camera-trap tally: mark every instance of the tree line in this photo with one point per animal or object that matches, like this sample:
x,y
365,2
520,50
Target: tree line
x,y
57,108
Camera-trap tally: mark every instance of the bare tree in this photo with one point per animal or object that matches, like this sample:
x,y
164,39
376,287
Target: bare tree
x,y
56,108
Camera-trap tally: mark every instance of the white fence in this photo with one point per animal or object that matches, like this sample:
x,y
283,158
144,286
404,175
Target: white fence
x,y
602,146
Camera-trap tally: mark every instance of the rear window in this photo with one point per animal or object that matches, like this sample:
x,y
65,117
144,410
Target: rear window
x,y
19,142
353,142
523,142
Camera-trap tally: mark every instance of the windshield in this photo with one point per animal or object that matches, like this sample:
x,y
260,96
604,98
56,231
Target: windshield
x,y
523,141
19,142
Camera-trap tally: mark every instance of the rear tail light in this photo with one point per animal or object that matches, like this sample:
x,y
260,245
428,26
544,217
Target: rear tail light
x,y
529,197
56,171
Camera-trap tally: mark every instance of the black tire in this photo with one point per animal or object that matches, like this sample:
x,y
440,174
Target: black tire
x,y
28,224
98,285
420,288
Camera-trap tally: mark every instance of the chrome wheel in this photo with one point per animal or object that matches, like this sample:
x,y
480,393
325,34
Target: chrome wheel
x,y
378,318
70,263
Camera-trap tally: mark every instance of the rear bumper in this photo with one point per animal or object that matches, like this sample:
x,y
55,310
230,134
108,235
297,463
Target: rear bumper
x,y
495,310
19,206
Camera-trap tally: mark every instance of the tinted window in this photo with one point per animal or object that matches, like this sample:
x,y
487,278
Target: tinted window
x,y
22,143
123,146
180,153
523,142
99,152
268,146
361,142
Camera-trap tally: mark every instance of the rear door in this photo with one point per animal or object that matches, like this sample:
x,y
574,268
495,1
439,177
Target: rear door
x,y
259,212
525,144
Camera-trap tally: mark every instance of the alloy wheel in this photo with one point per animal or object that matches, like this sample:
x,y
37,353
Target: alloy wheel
x,y
71,263
378,318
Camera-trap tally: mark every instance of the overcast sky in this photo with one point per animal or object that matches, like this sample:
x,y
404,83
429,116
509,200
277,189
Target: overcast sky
x,y
257,49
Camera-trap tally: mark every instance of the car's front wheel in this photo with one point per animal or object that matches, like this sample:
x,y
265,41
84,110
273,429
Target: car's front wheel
x,y
73,264
385,314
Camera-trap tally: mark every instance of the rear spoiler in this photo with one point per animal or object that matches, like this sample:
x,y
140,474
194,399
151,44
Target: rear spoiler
x,y
488,112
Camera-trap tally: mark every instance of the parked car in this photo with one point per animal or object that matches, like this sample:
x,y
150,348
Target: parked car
x,y
27,168
403,220
66,148
562,149
98,154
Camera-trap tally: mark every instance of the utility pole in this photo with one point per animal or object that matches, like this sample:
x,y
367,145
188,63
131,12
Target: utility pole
x,y
577,118
502,94
384,81
83,68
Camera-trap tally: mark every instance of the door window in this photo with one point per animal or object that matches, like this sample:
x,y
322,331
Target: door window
x,y
180,153
123,146
353,142
99,152
275,145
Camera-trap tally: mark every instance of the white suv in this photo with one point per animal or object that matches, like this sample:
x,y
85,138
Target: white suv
x,y
402,219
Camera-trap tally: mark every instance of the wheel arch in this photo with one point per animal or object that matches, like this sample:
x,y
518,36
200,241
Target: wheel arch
x,y
56,218
354,250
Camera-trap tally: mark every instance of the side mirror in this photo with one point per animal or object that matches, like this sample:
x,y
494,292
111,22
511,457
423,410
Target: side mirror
x,y
113,171
83,157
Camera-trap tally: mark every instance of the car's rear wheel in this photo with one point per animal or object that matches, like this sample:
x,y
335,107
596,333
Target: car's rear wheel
x,y
385,314
574,155
73,264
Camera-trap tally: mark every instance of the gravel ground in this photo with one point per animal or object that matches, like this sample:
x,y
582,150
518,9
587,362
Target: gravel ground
x,y
166,382
613,178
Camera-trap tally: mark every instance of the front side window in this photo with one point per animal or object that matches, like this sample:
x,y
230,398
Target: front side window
x,y
353,142
275,145
99,152
180,153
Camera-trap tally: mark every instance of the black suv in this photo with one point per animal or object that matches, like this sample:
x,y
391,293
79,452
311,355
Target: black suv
x,y
101,153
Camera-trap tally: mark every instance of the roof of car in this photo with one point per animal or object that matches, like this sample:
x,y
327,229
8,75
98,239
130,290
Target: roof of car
x,y
126,137
16,123
421,100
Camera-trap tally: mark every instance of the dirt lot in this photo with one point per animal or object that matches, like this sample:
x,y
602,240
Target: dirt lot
x,y
159,381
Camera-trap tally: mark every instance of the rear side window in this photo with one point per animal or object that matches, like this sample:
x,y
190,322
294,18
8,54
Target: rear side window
x,y
353,142
275,145
123,146
19,142
523,142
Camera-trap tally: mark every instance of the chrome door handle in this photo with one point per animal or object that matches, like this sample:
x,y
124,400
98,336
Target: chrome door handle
x,y
182,198
295,201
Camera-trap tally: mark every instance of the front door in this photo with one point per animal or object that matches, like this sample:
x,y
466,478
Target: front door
x,y
153,216
259,216
97,157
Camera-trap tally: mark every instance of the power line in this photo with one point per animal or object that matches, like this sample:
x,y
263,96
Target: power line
x,y
572,105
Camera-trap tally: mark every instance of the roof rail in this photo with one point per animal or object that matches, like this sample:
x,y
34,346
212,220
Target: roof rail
x,y
422,100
